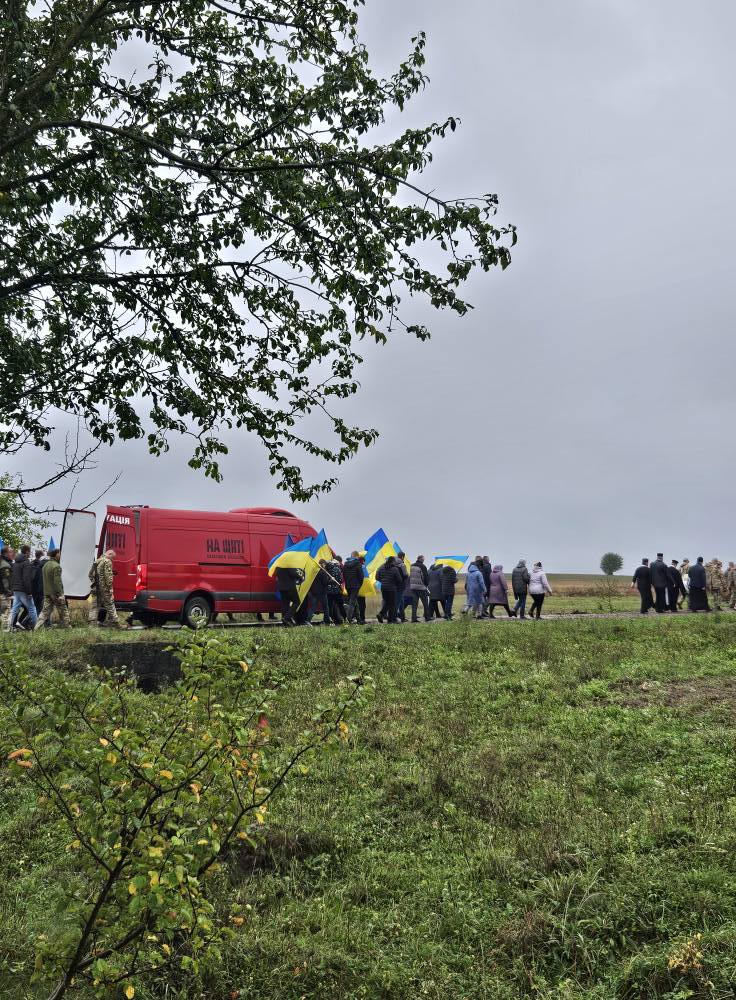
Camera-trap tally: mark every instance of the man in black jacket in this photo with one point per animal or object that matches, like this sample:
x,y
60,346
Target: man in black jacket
x,y
449,579
486,569
37,565
403,595
643,582
675,586
318,595
21,583
287,581
392,585
353,577
658,570
698,596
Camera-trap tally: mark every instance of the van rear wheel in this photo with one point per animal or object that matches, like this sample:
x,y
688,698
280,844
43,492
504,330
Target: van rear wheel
x,y
197,612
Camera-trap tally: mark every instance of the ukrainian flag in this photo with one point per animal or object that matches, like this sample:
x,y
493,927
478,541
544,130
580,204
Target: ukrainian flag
x,y
378,548
320,549
368,586
457,562
305,545
298,556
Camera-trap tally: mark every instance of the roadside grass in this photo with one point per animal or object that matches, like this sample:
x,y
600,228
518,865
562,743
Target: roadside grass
x,y
541,810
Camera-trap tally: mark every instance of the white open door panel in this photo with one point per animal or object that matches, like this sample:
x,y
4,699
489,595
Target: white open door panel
x,y
78,541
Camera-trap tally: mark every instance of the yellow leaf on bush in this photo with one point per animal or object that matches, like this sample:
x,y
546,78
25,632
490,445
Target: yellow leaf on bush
x,y
237,921
115,734
132,889
24,763
130,992
156,852
111,758
166,774
165,949
104,742
23,752
244,666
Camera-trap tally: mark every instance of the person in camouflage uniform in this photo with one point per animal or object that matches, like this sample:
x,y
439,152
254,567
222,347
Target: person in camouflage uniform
x,y
6,591
101,595
685,574
715,581
731,584
53,592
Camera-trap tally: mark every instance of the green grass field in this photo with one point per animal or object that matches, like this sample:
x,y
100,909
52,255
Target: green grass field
x,y
542,810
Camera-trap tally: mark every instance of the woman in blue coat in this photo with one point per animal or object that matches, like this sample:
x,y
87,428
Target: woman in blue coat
x,y
475,588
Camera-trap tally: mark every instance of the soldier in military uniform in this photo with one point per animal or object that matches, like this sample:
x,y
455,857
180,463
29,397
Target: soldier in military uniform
x,y
6,591
101,596
53,592
731,584
714,578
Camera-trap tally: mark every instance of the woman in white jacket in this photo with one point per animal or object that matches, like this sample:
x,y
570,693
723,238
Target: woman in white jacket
x,y
539,588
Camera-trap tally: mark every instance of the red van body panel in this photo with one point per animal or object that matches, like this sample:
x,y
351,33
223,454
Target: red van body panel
x,y
162,557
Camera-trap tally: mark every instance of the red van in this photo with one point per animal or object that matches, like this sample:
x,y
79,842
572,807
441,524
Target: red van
x,y
189,565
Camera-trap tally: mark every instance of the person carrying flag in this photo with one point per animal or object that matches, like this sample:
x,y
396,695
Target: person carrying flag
x,y
288,579
355,575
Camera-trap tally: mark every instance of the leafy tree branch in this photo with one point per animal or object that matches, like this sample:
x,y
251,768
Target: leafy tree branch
x,y
203,244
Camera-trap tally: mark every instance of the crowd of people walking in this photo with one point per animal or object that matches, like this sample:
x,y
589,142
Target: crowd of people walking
x,y
337,589
665,588
32,591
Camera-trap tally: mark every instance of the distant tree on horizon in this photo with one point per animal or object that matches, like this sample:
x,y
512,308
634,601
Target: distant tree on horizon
x,y
611,562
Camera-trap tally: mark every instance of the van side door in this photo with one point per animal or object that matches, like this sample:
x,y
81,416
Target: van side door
x,y
120,533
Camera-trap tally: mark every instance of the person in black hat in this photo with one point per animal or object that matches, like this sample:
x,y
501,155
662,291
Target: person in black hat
x,y
658,570
643,582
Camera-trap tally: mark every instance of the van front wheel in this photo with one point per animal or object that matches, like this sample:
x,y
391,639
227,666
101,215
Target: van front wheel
x,y
197,612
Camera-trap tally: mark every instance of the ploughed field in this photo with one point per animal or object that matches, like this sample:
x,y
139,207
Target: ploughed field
x,y
544,811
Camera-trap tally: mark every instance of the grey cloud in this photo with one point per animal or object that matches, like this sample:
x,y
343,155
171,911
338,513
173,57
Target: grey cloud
x,y
586,402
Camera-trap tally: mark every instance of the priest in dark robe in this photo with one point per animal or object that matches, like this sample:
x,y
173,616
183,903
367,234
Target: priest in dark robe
x,y
643,583
698,595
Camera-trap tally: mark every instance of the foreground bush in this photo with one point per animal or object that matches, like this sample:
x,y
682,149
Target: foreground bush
x,y
153,792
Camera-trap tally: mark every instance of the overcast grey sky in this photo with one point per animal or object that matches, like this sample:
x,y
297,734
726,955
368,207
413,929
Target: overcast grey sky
x,y
586,403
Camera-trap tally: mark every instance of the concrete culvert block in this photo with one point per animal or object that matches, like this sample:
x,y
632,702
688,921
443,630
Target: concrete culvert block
x,y
152,663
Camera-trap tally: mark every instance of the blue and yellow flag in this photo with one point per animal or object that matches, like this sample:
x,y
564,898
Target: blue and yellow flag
x,y
319,548
305,545
457,562
378,548
368,586
298,556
